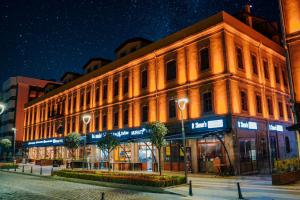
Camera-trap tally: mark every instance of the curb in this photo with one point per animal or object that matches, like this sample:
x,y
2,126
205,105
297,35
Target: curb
x,y
118,185
103,184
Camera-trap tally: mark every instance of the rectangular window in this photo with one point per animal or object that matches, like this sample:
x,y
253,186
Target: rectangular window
x,y
69,103
288,110
254,64
116,88
280,108
145,113
266,69
73,124
88,98
276,71
81,100
125,117
104,121
284,78
116,118
244,101
171,70
239,57
204,59
125,85
207,102
80,126
97,91
74,103
97,121
258,104
104,91
172,108
270,105
144,81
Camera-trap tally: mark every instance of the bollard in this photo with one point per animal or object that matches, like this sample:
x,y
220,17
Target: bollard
x,y
190,188
15,168
102,196
41,171
239,191
23,169
52,171
31,170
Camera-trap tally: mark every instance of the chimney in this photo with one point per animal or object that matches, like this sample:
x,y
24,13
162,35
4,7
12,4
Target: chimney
x,y
248,14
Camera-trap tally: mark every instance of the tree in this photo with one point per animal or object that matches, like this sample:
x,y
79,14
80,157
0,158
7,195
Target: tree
x,y
72,142
5,145
158,132
107,144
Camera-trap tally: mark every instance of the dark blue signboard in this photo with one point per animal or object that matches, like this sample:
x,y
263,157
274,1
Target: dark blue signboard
x,y
209,124
45,142
122,134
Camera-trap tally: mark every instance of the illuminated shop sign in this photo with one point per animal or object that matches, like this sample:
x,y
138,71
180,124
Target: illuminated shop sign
x,y
46,142
125,134
275,127
208,124
247,125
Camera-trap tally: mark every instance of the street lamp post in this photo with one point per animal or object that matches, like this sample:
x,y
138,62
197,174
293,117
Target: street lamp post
x,y
182,105
2,108
86,118
14,152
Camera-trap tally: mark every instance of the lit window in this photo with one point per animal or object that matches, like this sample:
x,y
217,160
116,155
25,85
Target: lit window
x,y
171,70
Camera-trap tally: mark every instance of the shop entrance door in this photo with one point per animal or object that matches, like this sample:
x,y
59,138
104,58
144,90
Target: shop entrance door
x,y
209,150
248,160
274,149
145,156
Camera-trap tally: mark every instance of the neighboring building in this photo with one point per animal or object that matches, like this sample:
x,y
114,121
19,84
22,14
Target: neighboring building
x,y
69,76
291,21
234,77
16,92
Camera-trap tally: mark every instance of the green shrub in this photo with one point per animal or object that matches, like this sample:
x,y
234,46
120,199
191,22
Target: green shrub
x,y
125,178
7,166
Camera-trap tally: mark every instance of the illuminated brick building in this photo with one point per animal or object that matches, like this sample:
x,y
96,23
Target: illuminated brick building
x,y
234,77
291,26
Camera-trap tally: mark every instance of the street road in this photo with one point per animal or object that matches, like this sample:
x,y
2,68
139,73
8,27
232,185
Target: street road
x,y
19,187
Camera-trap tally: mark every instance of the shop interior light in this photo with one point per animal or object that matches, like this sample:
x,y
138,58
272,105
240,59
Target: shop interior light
x,y
86,118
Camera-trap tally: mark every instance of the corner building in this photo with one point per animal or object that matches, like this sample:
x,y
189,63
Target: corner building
x,y
234,77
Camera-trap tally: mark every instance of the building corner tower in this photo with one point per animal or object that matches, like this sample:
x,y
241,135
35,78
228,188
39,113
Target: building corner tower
x,y
291,26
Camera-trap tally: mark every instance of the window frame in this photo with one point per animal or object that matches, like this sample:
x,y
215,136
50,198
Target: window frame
x,y
201,69
166,70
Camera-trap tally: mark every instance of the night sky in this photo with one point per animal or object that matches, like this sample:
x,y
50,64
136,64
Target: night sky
x,y
45,38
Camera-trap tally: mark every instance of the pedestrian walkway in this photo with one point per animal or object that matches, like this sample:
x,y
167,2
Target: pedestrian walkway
x,y
253,187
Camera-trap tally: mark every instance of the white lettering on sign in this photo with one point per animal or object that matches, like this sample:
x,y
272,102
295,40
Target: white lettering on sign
x,y
247,125
138,132
219,123
276,127
120,133
215,124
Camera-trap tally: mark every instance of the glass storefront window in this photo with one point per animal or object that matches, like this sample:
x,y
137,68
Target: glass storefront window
x,y
145,154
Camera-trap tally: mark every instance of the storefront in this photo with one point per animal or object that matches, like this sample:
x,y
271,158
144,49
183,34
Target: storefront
x,y
246,145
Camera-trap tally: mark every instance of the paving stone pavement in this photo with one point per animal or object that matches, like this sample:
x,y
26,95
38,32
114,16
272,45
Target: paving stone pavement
x,y
24,187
